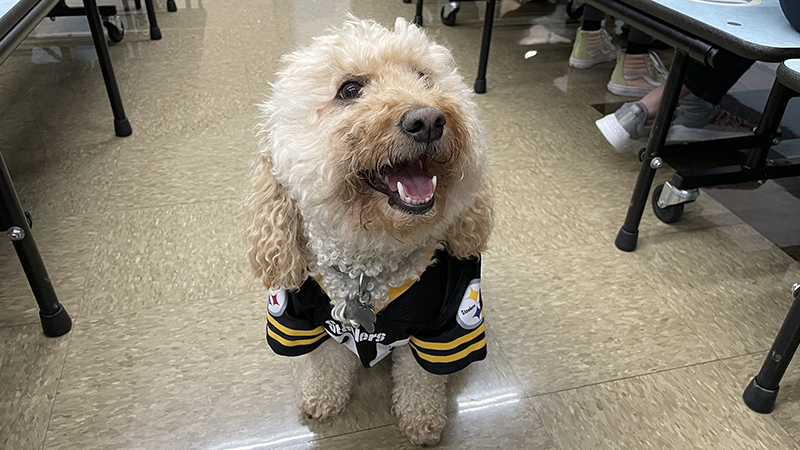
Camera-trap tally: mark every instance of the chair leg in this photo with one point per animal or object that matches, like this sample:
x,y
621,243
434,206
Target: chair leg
x,y
138,4
762,391
486,41
54,318
418,15
155,33
122,126
171,6
629,233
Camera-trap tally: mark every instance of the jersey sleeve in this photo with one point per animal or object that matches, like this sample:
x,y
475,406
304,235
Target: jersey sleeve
x,y
290,332
459,339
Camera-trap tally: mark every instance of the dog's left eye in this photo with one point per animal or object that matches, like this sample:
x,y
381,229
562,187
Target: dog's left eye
x,y
350,91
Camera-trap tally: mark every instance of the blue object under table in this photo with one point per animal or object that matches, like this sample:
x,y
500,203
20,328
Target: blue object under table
x,y
18,18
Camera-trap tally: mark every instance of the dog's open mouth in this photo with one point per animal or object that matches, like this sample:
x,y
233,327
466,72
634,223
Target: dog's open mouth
x,y
409,187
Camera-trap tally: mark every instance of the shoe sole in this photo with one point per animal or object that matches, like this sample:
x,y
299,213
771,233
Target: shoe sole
x,y
628,91
680,133
616,135
586,63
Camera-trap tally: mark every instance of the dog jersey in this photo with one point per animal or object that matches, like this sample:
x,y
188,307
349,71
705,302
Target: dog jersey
x,y
440,316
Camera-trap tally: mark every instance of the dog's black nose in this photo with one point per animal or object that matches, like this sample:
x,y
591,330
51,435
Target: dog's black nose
x,y
424,124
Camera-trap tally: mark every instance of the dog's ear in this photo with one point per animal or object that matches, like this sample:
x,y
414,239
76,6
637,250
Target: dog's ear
x,y
276,243
468,236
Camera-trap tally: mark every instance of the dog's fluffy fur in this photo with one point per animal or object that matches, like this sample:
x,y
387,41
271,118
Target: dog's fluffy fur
x,y
313,213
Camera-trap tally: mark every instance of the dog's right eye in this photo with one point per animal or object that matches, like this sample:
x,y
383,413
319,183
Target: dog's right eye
x,y
351,90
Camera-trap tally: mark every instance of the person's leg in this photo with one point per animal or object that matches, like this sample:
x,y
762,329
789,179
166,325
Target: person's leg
x,y
638,42
698,116
592,18
638,71
592,44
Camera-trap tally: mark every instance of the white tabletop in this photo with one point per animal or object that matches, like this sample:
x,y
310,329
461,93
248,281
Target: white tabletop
x,y
5,6
755,29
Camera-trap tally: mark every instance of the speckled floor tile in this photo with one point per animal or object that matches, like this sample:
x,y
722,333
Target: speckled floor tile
x,y
196,375
56,183
505,423
181,171
578,316
787,406
728,283
532,213
696,407
66,248
29,377
177,254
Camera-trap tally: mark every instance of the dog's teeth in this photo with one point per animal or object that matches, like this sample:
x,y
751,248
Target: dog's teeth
x,y
420,165
434,184
401,190
386,180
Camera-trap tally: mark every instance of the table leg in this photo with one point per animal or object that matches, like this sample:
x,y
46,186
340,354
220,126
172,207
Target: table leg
x,y
122,126
54,318
629,233
762,391
770,123
155,33
488,22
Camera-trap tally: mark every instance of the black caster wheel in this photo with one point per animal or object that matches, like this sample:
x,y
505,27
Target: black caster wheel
x,y
449,19
670,214
171,6
116,31
575,13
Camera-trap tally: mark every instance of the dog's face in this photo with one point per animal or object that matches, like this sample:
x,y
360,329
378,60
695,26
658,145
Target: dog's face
x,y
375,129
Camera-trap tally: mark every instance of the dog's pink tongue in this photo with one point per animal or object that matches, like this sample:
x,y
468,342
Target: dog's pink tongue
x,y
416,183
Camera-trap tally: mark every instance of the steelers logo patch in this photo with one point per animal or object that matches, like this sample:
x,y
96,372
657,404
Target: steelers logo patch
x,y
470,312
276,304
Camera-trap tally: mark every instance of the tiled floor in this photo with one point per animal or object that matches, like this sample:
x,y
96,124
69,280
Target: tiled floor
x,y
589,347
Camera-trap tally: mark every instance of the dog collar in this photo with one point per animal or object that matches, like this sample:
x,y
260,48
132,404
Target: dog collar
x,y
394,291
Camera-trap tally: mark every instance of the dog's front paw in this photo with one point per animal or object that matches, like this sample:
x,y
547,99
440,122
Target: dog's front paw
x,y
422,427
320,403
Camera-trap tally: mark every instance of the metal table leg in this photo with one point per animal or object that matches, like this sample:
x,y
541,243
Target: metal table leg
x,y
155,33
762,391
488,22
55,319
418,14
629,233
121,125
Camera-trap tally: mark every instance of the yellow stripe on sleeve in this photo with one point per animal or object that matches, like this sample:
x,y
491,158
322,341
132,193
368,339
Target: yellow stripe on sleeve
x,y
291,332
288,343
448,345
455,356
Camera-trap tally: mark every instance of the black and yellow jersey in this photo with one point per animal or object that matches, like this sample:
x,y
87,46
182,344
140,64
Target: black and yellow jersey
x,y
440,316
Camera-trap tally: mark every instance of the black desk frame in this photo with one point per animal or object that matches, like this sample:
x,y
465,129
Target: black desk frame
x,y
486,41
755,166
13,220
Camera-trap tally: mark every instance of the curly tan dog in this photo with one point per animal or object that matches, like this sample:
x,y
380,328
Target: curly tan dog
x,y
369,211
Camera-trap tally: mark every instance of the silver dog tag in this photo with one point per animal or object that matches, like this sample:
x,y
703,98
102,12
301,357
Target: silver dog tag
x,y
359,307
